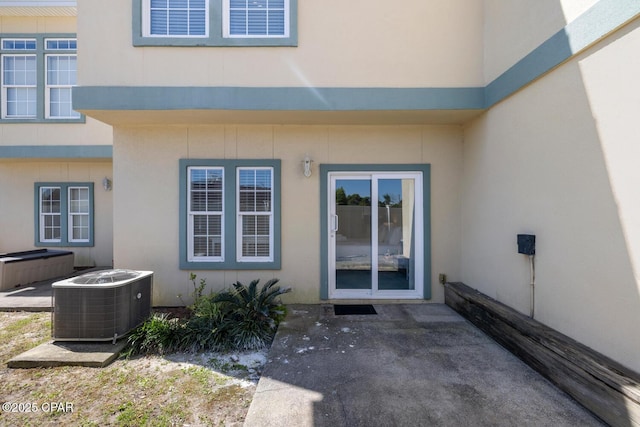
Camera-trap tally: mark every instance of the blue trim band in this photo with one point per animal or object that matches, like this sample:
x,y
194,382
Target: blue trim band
x,y
56,152
276,98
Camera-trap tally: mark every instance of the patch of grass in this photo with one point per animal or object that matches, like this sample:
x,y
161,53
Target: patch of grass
x,y
226,367
26,330
129,415
140,391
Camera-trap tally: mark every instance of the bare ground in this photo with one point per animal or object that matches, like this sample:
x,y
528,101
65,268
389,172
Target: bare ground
x,y
181,389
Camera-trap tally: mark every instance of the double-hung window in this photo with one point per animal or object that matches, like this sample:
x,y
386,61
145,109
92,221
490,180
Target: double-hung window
x,y
206,213
64,214
61,76
37,76
19,78
215,22
254,229
176,18
256,18
230,214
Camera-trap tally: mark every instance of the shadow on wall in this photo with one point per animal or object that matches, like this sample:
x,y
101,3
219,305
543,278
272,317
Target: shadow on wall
x,y
554,160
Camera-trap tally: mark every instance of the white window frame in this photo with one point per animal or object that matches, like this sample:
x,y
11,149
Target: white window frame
x,y
58,40
49,87
241,214
191,214
19,39
42,215
6,87
72,215
146,23
226,24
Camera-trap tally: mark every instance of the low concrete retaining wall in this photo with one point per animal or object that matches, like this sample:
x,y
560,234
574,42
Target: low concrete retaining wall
x,y
606,388
22,268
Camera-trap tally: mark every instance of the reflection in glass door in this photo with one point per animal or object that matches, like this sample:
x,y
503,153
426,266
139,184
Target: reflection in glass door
x,y
375,235
353,239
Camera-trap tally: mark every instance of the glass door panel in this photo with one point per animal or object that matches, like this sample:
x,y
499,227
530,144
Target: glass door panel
x,y
352,226
396,201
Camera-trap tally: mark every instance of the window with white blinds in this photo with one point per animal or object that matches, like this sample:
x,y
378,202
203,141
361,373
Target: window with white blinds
x,y
229,214
181,18
188,23
206,234
254,233
256,18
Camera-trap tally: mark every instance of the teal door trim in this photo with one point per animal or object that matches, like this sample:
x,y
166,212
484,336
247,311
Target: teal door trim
x,y
325,169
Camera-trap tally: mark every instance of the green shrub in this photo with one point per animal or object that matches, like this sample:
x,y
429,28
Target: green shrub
x,y
242,318
159,334
251,316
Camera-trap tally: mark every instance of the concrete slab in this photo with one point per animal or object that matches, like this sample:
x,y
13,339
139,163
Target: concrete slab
x,y
35,296
56,353
411,364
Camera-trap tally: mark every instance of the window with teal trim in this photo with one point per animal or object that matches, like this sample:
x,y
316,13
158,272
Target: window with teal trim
x,y
64,214
38,74
229,214
215,22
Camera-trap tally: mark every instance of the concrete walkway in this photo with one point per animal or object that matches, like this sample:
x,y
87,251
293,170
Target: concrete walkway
x,y
409,365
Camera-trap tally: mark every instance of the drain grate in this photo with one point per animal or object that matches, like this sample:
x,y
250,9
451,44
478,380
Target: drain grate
x,y
345,309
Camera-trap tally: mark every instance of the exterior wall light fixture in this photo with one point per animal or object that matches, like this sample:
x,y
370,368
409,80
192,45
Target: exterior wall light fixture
x,y
306,166
106,184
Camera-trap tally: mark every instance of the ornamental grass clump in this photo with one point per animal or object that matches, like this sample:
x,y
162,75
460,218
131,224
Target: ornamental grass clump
x,y
160,334
251,316
240,318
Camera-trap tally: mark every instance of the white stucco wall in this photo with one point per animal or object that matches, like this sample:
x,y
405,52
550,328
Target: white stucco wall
x,y
17,223
557,160
420,44
513,28
146,206
92,132
41,24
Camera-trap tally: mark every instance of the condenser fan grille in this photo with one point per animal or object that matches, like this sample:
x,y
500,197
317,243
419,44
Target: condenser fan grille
x,y
101,277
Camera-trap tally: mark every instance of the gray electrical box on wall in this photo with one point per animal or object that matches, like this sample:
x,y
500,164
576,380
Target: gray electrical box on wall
x,y
527,244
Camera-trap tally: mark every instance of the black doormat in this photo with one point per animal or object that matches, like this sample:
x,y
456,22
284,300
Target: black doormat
x,y
343,309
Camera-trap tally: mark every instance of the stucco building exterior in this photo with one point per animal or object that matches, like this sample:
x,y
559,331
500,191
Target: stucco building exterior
x,y
354,153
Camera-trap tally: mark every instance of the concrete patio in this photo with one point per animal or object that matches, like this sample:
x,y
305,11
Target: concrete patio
x,y
408,365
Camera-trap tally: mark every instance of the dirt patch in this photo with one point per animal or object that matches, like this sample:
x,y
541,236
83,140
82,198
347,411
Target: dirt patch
x,y
177,389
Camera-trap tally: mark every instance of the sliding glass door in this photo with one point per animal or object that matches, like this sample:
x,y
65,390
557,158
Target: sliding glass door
x,y
375,235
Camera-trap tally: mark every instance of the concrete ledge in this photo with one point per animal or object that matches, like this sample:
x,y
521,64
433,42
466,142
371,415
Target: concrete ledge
x,y
55,353
608,389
